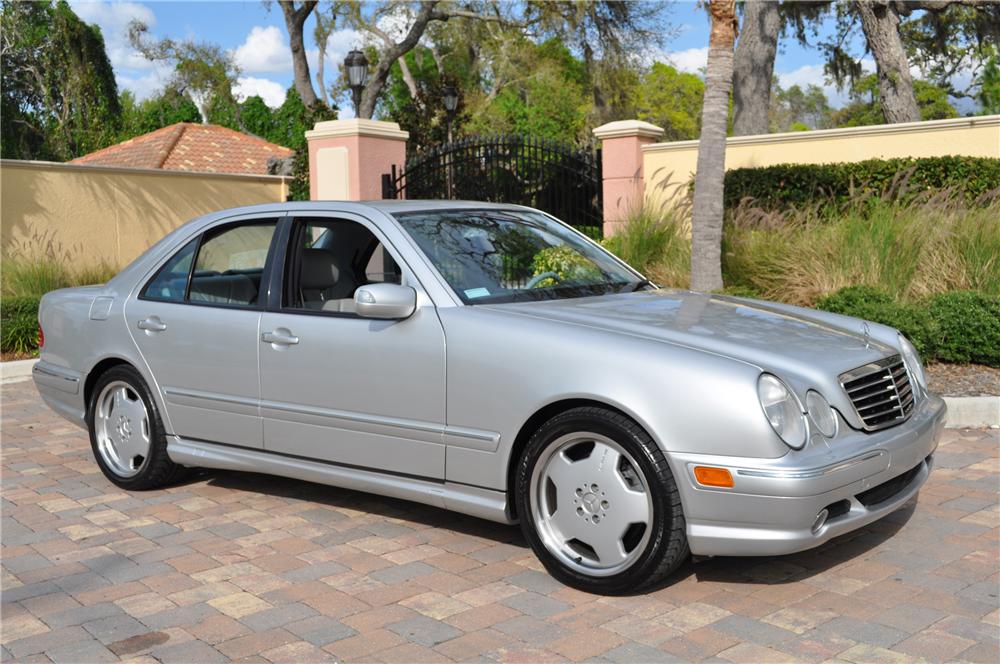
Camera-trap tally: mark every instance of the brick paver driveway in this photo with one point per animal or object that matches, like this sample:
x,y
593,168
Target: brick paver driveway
x,y
234,566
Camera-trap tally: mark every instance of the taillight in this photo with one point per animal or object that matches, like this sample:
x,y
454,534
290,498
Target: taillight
x,y
41,336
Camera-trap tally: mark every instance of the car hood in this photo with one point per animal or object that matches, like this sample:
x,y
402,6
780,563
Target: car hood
x,y
768,336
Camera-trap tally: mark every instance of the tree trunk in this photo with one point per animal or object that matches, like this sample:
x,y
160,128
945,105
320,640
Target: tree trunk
x,y
880,22
754,66
706,212
295,20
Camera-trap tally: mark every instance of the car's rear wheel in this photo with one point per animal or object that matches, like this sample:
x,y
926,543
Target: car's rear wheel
x,y
126,432
598,503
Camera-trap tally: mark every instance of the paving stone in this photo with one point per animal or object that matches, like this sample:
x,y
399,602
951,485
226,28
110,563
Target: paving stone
x,y
424,630
233,566
534,604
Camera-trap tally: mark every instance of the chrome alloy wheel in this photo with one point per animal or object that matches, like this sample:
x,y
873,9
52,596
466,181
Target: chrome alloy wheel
x,y
121,424
591,504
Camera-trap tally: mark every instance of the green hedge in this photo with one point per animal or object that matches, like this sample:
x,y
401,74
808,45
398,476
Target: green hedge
x,y
18,324
791,185
958,326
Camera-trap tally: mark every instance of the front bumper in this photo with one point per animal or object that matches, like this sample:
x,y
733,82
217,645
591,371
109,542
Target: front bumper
x,y
773,506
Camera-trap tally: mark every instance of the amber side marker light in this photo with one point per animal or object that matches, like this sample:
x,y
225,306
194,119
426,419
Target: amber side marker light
x,y
708,476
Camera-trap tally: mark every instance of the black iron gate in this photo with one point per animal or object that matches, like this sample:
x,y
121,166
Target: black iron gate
x,y
561,179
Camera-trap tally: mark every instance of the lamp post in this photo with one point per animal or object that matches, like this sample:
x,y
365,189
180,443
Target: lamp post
x,y
450,97
356,65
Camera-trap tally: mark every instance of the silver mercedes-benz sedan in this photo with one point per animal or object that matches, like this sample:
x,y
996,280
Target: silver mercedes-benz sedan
x,y
489,359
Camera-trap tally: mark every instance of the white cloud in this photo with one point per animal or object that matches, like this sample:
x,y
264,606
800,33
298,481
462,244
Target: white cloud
x,y
271,92
692,60
145,85
814,75
264,51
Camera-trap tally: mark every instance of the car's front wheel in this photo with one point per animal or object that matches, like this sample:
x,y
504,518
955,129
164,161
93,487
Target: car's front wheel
x,y
598,503
126,433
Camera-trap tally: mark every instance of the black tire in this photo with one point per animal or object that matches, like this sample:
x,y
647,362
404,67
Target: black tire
x,y
666,548
158,470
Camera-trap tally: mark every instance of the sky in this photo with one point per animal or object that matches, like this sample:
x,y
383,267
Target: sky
x,y
256,35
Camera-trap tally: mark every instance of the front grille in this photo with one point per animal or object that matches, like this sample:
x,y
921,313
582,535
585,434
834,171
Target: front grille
x,y
890,489
881,392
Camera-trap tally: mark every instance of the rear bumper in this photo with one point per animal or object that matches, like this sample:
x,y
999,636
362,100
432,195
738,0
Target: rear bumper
x,y
774,505
61,389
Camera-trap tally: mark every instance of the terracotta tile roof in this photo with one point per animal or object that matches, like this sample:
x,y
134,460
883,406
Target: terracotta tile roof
x,y
191,147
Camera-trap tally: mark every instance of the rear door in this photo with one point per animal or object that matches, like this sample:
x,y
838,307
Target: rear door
x,y
341,388
196,323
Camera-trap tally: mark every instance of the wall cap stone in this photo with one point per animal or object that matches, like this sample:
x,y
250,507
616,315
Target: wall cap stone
x,y
357,127
627,129
821,134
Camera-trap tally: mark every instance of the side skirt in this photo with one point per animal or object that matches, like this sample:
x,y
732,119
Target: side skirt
x,y
474,501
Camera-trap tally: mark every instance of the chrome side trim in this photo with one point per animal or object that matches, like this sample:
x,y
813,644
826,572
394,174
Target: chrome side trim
x,y
811,473
209,396
56,377
474,501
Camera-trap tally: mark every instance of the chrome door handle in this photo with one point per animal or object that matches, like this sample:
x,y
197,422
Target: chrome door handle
x,y
279,338
152,324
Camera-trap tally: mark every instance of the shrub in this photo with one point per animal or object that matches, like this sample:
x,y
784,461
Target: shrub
x,y
790,185
565,262
967,327
18,324
960,326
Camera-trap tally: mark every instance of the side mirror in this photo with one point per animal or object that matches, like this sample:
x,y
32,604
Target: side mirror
x,y
387,301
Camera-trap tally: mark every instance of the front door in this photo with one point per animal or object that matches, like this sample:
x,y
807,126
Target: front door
x,y
196,325
337,387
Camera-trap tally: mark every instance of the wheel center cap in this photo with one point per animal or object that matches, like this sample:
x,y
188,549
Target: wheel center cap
x,y
124,428
591,503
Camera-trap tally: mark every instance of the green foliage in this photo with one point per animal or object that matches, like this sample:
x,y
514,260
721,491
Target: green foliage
x,y
36,276
167,108
59,96
19,328
957,326
989,91
796,109
866,108
672,100
566,262
796,185
967,327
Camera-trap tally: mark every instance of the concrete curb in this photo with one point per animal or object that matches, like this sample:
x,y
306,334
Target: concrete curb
x,y
973,412
15,372
963,412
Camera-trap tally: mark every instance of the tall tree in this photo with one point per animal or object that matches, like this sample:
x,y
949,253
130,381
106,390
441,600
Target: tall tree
x,y
753,66
203,71
707,207
59,96
880,21
295,22
671,99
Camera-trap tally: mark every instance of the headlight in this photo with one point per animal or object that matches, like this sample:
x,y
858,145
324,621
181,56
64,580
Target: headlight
x,y
782,411
821,414
912,361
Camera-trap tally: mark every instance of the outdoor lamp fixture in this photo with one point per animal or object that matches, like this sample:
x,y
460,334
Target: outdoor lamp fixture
x,y
450,94
356,65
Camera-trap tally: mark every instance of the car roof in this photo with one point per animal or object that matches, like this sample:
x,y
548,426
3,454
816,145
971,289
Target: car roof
x,y
386,206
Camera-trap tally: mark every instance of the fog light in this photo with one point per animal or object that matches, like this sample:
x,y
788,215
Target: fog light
x,y
820,520
708,476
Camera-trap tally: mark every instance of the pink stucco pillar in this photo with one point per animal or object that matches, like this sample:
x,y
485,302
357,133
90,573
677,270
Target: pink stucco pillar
x,y
348,157
621,162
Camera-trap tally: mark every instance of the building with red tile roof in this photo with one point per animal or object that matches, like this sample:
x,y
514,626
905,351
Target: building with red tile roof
x,y
197,148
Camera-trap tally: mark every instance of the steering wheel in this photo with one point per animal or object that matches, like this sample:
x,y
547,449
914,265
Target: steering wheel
x,y
539,278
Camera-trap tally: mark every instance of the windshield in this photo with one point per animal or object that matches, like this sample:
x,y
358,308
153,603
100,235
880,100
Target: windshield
x,y
491,256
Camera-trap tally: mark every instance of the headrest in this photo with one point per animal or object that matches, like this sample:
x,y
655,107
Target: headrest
x,y
318,270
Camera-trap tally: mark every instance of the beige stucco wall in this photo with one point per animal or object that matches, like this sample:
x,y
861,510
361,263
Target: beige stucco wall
x,y
93,213
667,165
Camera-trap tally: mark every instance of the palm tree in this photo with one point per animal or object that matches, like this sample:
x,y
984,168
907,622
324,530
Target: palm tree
x,y
706,213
